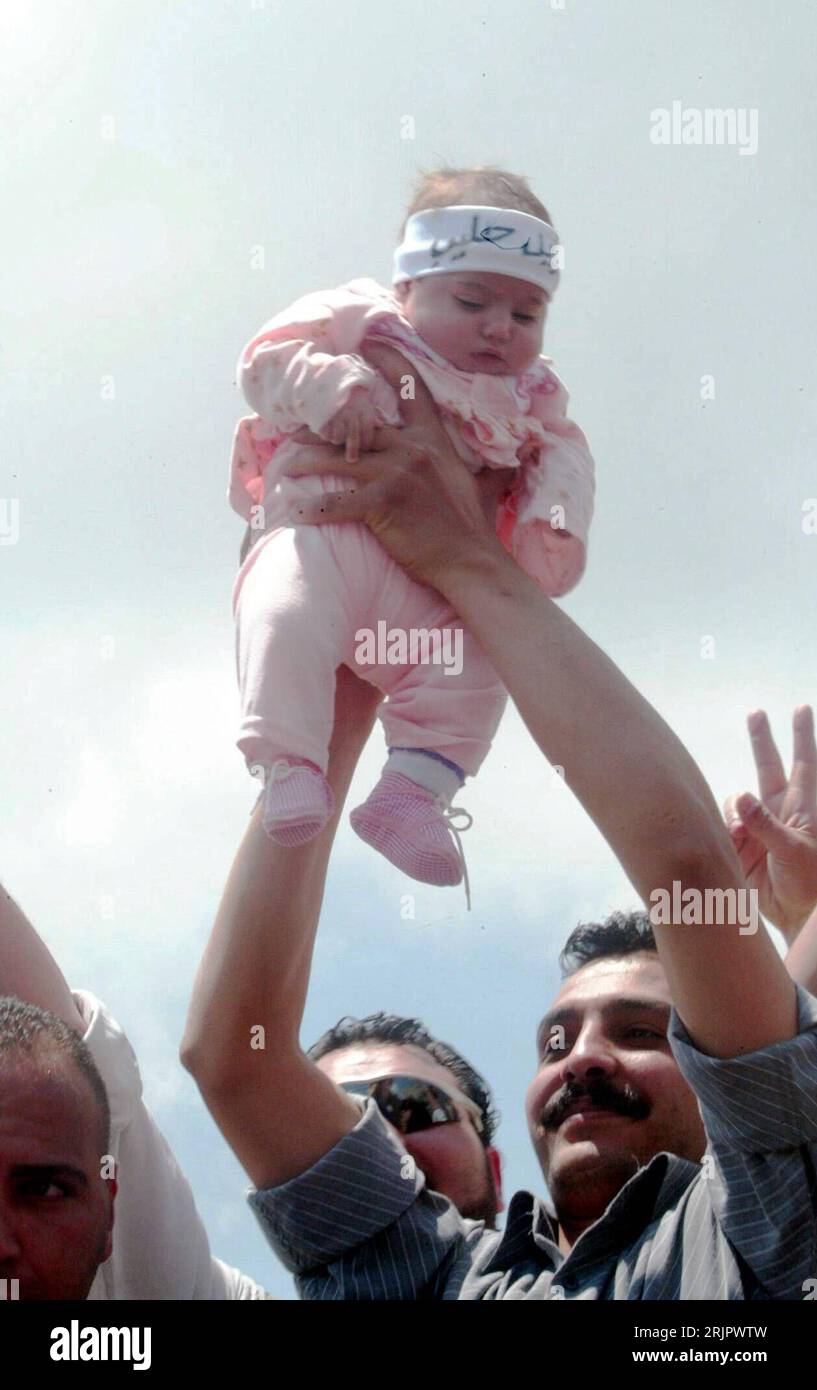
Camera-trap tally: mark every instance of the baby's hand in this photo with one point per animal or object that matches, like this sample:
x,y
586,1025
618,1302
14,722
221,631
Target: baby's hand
x,y
355,425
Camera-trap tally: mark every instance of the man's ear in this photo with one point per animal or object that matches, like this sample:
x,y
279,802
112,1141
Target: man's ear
x,y
401,290
495,1164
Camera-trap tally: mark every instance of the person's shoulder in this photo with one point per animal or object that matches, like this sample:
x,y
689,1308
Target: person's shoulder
x,y
113,1055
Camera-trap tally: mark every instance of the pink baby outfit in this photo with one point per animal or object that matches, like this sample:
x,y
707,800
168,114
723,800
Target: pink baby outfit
x,y
304,593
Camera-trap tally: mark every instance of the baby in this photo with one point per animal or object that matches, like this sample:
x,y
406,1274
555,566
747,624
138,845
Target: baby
x,y
473,277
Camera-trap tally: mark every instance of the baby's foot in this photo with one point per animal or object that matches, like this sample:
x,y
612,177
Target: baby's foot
x,y
408,825
297,803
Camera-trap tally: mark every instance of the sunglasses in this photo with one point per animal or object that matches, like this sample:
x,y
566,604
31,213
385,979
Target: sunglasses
x,y
411,1104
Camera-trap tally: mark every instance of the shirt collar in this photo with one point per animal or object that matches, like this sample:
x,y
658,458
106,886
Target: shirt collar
x,y
643,1199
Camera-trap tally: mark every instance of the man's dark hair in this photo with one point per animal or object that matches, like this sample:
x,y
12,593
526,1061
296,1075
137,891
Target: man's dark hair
x,y
391,1028
621,934
26,1030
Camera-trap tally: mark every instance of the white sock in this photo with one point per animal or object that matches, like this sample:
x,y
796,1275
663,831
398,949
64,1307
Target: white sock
x,y
429,773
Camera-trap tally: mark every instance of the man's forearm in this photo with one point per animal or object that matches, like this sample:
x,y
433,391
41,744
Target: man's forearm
x,y
276,1109
256,964
631,774
639,785
255,968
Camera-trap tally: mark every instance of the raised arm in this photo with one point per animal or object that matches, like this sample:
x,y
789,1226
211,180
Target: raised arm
x,y
28,969
630,772
278,1112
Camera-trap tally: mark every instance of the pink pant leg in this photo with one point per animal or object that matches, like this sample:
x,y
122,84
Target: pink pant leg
x,y
455,715
295,625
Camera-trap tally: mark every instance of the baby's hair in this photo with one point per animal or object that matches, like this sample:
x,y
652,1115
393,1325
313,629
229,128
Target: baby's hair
x,y
483,186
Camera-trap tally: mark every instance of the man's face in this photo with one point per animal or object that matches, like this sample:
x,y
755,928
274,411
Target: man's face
x,y
478,322
452,1156
56,1211
608,1094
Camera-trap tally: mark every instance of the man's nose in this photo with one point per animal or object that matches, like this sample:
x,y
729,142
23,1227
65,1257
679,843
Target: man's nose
x,y
591,1057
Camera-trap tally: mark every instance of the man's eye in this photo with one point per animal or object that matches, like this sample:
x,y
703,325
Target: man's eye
x,y
44,1189
525,318
642,1033
467,303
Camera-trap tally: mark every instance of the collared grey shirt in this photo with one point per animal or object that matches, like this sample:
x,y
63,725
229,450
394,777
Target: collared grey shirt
x,y
742,1224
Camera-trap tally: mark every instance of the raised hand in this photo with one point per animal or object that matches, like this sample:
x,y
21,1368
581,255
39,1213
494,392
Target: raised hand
x,y
776,836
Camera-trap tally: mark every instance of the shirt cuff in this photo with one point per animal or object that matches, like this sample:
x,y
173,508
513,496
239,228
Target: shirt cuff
x,y
764,1101
356,1190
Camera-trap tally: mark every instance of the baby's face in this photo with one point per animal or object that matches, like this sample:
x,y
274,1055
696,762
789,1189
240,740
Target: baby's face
x,y
479,322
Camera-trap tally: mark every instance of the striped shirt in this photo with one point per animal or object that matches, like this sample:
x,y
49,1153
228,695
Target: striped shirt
x,y
742,1224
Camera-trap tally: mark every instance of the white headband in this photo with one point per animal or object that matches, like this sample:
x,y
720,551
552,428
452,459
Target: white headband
x,y
502,241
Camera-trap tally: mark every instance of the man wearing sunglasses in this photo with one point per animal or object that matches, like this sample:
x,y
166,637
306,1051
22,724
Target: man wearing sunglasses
x,y
334,1194
440,1106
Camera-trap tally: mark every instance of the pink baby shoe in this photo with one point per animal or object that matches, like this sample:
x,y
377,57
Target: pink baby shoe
x,y
298,802
412,828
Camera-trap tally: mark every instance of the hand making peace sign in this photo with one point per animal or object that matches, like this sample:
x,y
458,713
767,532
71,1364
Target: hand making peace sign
x,y
776,836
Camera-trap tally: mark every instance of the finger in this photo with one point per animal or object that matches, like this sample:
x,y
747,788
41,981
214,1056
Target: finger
x,y
750,853
804,763
734,824
771,776
417,406
380,439
365,432
389,362
313,460
764,827
353,441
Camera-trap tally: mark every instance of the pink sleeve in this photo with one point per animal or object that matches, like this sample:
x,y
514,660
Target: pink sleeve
x,y
303,365
251,453
555,559
545,521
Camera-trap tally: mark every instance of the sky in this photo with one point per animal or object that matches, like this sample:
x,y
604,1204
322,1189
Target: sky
x,y
177,172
